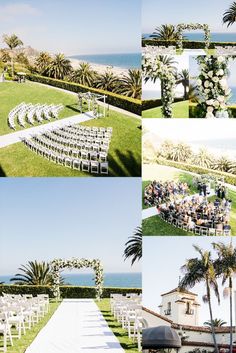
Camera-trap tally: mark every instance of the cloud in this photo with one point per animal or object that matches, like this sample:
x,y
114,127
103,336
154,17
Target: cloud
x,y
14,11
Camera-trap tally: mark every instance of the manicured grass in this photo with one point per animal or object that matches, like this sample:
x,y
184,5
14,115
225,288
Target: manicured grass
x,y
13,93
156,226
124,152
20,345
121,334
180,110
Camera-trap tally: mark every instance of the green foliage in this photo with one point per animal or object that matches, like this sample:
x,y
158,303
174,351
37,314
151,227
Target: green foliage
x,y
187,44
154,103
66,291
180,111
228,178
126,103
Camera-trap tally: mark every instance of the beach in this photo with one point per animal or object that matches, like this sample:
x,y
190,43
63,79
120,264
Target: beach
x,y
119,71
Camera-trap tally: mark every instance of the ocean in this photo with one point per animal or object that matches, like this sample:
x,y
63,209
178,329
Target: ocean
x,y
126,61
215,37
124,280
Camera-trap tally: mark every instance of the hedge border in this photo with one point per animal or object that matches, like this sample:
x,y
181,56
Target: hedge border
x,y
187,44
228,177
130,104
65,291
154,103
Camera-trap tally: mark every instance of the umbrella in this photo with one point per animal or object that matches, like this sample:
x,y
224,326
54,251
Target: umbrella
x,y
160,337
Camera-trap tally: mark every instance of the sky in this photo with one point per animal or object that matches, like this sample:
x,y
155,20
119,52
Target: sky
x,y
47,218
156,12
74,27
161,271
194,70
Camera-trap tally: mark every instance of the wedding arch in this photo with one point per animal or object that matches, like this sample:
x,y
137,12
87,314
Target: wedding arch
x,y
59,264
192,27
154,68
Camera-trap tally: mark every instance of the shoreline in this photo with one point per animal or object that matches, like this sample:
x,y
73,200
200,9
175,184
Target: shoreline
x,y
119,71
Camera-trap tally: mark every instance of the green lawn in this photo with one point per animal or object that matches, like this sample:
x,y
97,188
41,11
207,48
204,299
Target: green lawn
x,y
16,160
20,345
180,110
156,226
121,334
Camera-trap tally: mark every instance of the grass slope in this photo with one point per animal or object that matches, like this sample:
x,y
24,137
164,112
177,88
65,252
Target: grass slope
x,y
121,334
180,110
20,345
125,148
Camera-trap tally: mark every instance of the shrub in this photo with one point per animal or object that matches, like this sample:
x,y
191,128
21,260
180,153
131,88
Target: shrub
x,y
187,44
66,291
154,103
126,103
196,112
228,177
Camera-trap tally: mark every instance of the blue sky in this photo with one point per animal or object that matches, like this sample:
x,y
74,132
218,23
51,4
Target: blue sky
x,y
162,259
159,12
46,218
74,26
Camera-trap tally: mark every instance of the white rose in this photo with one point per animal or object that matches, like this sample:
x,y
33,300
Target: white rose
x,y
206,84
209,115
199,82
215,79
210,109
221,99
207,90
220,59
216,104
220,72
209,102
210,73
223,82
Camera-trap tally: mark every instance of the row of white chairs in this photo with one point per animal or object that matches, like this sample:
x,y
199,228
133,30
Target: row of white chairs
x,y
127,310
31,113
19,313
99,166
79,128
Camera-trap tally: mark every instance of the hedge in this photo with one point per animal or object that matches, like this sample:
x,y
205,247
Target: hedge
x,y
130,104
195,112
187,44
154,103
228,177
66,291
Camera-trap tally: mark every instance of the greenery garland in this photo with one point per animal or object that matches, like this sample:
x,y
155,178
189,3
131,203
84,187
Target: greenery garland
x,y
153,68
59,264
192,27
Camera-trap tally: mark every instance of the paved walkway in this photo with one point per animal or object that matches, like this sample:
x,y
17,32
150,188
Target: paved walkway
x,y
14,137
77,326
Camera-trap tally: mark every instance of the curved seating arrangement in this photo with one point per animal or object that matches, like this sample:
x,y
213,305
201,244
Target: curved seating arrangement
x,y
127,310
80,148
20,312
30,113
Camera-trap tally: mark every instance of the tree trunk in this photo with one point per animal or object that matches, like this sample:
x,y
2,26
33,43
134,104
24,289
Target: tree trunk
x,y
185,92
12,66
231,314
211,318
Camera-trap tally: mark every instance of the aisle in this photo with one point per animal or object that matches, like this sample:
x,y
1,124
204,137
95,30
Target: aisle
x,y
76,326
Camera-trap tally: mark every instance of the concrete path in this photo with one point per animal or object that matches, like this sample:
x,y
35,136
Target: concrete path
x,y
77,326
14,137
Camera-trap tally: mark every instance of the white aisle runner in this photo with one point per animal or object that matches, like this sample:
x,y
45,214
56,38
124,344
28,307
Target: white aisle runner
x,y
76,326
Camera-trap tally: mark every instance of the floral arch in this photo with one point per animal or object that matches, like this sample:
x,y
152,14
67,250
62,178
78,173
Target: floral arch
x,y
59,264
153,68
192,27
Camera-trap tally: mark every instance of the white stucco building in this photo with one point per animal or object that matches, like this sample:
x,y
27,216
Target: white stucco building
x,y
180,310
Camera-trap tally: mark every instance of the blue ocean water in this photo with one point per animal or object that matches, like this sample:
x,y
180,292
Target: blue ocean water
x,y
124,280
233,95
126,61
215,37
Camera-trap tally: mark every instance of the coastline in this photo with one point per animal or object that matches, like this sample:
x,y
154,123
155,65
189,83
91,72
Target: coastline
x,y
119,71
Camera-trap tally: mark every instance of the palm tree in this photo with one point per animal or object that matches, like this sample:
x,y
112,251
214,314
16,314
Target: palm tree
x,y
183,78
131,85
4,56
134,246
107,81
229,15
84,75
12,42
165,32
192,94
232,168
59,67
166,148
215,323
181,152
223,164
42,62
34,273
203,158
226,267
201,269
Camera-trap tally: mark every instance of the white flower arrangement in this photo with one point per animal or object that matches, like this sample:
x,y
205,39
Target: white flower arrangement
x,y
192,27
59,264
